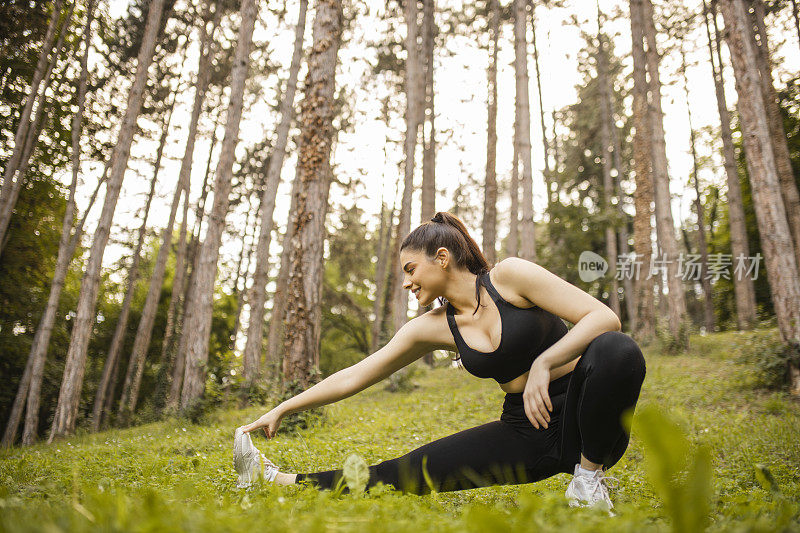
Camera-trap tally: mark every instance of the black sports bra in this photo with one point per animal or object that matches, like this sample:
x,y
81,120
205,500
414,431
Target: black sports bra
x,y
525,334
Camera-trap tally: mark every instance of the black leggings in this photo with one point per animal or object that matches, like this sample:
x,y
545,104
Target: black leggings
x,y
587,406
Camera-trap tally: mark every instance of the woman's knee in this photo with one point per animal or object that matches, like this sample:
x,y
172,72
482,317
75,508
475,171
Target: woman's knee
x,y
616,351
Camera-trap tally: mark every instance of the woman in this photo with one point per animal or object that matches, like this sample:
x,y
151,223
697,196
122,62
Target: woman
x,y
565,389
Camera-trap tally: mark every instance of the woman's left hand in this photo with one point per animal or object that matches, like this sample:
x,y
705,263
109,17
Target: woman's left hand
x,y
535,397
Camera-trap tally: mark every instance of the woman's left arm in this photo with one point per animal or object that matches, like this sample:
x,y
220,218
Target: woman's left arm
x,y
590,317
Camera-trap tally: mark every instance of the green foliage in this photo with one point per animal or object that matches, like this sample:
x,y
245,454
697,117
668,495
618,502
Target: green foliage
x,y
669,343
171,475
766,356
355,473
679,470
346,303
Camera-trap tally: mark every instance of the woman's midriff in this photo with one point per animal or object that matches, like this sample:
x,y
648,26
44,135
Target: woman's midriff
x,y
517,384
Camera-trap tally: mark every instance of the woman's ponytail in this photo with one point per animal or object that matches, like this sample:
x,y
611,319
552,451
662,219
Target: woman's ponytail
x,y
446,230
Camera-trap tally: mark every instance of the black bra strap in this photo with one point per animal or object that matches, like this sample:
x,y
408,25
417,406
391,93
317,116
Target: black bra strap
x,y
451,321
490,288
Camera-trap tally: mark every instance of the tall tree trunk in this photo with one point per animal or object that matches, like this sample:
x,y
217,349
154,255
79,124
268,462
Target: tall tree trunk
x,y
606,124
275,341
523,130
429,133
773,225
255,328
743,285
512,245
32,376
19,165
545,145
490,188
182,264
428,113
69,395
412,85
303,313
198,319
13,163
783,161
381,270
665,226
708,300
643,328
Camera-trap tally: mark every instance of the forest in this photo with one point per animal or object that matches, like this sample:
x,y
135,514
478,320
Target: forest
x,y
201,212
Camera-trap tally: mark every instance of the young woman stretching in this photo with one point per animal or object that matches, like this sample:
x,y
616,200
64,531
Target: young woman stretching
x,y
565,389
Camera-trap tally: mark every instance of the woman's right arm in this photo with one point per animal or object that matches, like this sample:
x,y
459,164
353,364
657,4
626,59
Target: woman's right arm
x,y
409,344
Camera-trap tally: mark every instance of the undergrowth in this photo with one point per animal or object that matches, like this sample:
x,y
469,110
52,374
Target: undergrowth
x,y
710,449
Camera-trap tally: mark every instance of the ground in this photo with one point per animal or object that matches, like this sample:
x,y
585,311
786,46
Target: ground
x,y
174,475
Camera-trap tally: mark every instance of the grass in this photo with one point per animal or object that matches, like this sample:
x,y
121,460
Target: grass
x,y
175,476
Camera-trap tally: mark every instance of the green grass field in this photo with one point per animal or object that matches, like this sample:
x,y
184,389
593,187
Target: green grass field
x,y
175,476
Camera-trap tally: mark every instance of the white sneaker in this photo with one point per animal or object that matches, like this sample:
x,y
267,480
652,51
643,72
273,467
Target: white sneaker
x,y
250,463
590,490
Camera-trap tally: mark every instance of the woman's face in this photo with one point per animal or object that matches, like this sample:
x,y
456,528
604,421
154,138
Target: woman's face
x,y
424,277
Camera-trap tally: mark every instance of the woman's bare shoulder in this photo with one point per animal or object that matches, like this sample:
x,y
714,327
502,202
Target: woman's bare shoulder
x,y
431,327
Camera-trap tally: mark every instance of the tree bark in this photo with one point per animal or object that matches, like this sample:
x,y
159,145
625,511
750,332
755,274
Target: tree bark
x,y
643,327
242,270
743,285
783,161
255,328
381,269
523,130
606,124
490,188
773,225
198,319
665,226
412,86
303,313
69,395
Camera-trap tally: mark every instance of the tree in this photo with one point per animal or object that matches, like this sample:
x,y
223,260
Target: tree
x,y
303,314
783,161
414,99
69,396
643,328
773,224
490,188
665,226
523,129
196,330
144,330
606,125
743,285
255,328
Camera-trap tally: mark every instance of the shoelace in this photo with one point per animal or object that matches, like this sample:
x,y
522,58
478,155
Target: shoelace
x,y
600,482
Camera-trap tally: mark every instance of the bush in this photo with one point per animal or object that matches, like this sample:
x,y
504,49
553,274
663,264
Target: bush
x,y
766,356
669,344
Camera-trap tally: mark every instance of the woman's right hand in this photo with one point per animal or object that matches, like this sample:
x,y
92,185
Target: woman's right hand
x,y
269,422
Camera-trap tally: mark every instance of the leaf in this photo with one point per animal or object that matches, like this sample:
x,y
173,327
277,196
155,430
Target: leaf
x,y
679,470
355,473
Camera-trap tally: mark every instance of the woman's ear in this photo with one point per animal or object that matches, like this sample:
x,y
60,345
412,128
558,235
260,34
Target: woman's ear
x,y
442,257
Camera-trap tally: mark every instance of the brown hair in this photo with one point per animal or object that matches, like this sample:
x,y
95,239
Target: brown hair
x,y
446,230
